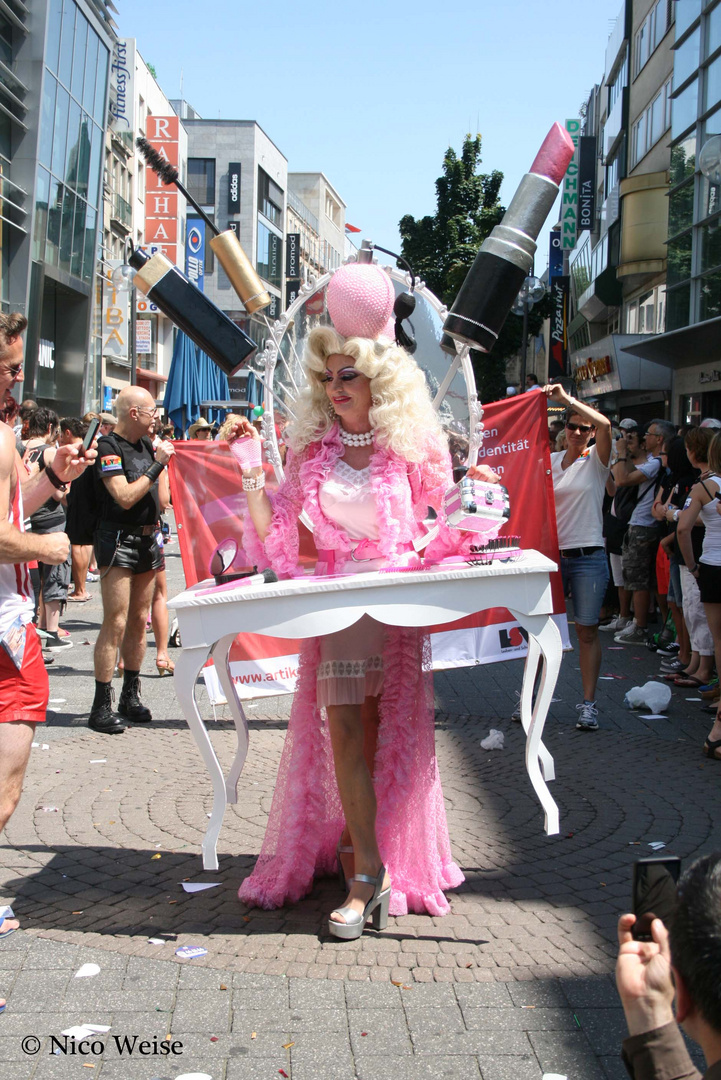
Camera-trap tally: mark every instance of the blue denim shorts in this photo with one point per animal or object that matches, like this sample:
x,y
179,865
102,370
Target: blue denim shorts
x,y
674,594
587,576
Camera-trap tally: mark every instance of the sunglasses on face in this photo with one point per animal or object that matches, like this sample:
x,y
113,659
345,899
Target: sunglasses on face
x,y
14,371
582,429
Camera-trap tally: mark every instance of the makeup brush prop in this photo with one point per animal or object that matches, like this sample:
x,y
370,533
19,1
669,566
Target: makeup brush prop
x,y
225,244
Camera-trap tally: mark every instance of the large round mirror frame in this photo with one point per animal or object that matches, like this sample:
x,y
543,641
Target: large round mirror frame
x,y
264,366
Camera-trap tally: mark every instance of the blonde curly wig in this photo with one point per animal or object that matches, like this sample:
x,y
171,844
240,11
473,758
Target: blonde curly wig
x,y
401,414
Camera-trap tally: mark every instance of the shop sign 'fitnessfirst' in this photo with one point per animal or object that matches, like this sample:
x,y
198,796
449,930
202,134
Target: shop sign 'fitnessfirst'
x,y
121,103
209,507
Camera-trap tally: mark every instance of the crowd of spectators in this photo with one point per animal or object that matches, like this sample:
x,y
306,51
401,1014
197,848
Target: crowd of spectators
x,y
661,543
76,513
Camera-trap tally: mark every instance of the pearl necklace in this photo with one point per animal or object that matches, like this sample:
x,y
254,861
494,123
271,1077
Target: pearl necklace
x,y
349,439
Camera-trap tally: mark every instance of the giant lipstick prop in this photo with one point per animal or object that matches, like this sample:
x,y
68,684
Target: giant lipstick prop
x,y
192,311
506,256
225,244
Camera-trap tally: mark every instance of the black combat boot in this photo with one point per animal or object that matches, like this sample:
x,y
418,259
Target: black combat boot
x,y
130,706
102,718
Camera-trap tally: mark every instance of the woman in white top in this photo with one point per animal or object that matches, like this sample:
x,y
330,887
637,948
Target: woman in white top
x,y
579,483
707,571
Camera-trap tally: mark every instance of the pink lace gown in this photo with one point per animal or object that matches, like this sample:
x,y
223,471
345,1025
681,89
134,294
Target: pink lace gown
x,y
306,818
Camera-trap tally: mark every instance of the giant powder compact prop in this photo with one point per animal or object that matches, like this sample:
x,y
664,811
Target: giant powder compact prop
x,y
506,256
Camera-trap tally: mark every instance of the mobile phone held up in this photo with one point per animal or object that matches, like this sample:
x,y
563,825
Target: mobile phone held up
x,y
90,434
654,893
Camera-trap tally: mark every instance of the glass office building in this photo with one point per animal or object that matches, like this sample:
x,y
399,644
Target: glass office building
x,y
694,246
64,55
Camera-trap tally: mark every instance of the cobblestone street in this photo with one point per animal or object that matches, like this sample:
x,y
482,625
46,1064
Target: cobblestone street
x,y
514,983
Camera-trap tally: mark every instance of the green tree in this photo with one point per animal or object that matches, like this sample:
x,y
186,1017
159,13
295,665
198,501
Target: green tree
x,y
441,249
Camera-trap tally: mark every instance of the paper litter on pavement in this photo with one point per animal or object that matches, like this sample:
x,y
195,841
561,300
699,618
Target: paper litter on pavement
x,y
657,845
87,971
653,716
199,886
83,1031
493,741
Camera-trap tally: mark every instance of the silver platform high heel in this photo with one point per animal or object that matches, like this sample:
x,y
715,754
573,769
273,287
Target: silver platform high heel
x,y
377,906
342,849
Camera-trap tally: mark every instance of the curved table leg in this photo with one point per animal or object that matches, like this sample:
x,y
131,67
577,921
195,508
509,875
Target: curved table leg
x,y
221,654
544,641
187,670
529,710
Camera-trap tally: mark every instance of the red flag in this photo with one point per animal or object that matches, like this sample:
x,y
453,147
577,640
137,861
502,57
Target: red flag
x,y
351,228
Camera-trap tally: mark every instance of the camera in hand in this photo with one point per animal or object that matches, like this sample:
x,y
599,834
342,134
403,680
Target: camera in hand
x,y
654,893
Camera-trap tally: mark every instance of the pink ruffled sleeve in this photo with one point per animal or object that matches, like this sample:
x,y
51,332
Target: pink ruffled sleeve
x,y
281,547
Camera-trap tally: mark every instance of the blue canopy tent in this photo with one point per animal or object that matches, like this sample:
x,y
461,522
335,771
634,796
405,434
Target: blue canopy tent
x,y
217,386
182,395
192,379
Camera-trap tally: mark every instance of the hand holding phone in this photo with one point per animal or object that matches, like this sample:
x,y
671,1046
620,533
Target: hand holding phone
x,y
654,893
90,434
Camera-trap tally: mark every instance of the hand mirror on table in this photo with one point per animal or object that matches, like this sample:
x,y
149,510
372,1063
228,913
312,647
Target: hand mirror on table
x,y
221,563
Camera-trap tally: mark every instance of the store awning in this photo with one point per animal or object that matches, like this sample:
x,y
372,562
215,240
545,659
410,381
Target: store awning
x,y
608,366
686,347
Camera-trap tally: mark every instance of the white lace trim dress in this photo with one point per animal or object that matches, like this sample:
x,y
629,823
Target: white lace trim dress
x,y
351,660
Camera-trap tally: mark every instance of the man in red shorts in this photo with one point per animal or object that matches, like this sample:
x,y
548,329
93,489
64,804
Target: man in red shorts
x,y
23,678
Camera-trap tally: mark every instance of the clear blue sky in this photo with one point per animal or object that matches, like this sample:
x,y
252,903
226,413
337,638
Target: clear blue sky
x,y
373,93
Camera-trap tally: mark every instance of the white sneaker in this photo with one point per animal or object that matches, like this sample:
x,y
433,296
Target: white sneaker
x,y
632,635
587,716
617,623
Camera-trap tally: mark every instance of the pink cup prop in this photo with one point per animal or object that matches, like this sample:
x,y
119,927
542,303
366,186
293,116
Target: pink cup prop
x,y
246,452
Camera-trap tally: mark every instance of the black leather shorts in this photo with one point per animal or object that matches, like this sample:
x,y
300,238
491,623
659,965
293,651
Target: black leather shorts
x,y
137,553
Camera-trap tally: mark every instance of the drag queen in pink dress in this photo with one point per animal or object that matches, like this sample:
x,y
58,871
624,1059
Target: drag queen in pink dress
x,y
367,457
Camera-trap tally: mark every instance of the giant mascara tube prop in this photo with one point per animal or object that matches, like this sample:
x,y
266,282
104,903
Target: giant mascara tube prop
x,y
192,311
506,256
225,244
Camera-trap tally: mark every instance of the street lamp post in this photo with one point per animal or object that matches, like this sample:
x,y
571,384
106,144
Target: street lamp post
x,y
532,290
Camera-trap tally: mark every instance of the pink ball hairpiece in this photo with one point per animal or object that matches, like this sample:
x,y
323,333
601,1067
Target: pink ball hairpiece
x,y
360,300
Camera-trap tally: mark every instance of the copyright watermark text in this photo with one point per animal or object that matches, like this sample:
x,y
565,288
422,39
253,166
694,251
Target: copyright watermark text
x,y
125,1046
